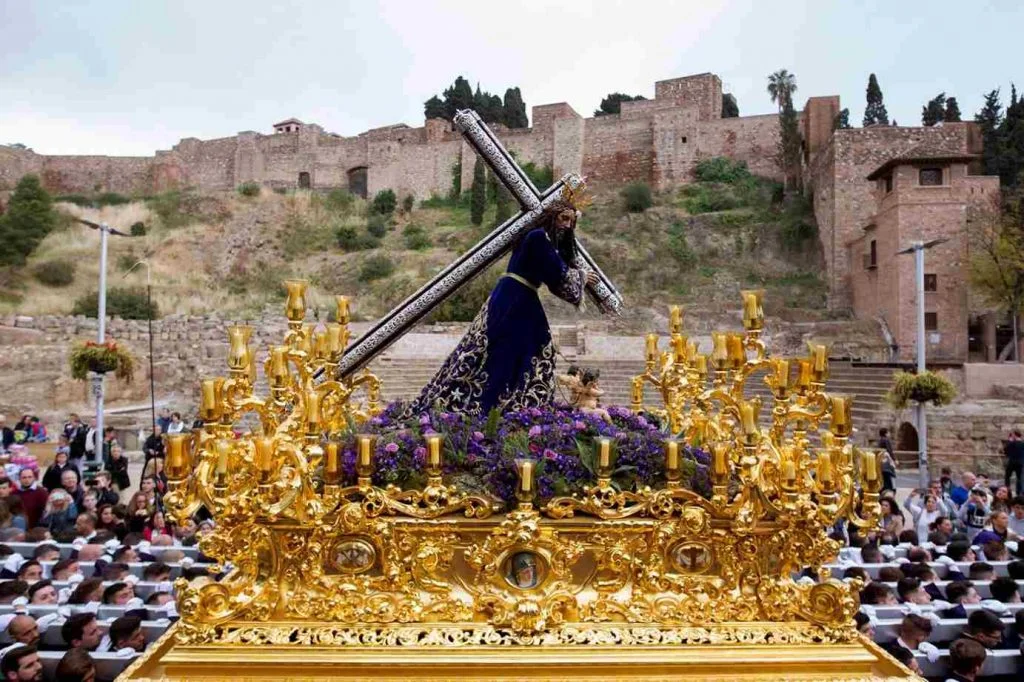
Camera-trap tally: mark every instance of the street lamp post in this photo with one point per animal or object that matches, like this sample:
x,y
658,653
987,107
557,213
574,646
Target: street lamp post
x,y
149,322
918,248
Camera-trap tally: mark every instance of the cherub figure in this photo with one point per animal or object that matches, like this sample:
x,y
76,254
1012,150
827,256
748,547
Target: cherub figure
x,y
590,391
571,381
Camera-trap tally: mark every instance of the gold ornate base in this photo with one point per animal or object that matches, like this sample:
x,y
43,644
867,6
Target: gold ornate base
x,y
474,652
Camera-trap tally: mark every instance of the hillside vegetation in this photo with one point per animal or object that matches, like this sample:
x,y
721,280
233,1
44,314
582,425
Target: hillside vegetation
x,y
229,252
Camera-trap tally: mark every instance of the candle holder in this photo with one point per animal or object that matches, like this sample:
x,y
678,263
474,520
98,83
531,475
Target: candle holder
x,y
223,449
265,449
841,422
675,319
332,463
341,310
433,464
525,470
673,463
209,401
365,446
295,306
605,456
753,312
177,457
238,350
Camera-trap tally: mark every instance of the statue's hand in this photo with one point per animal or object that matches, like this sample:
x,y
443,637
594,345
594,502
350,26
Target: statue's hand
x,y
592,278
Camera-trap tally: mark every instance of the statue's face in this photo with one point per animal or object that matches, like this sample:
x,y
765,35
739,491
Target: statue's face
x,y
563,221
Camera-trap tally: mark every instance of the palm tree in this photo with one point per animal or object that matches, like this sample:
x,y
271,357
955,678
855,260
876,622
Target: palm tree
x,y
781,86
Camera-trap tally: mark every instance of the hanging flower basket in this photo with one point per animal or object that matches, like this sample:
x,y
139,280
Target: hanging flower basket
x,y
101,358
926,387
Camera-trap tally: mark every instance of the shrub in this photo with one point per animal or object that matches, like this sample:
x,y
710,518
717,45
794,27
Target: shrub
x,y
376,267
29,218
407,203
111,199
706,199
680,247
130,303
721,169
542,178
926,387
416,238
281,190
637,196
138,229
339,200
353,239
384,202
76,199
249,189
377,225
436,201
55,273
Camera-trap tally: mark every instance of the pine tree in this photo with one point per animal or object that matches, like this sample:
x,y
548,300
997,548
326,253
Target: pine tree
x,y
990,120
842,120
612,104
875,113
934,111
478,193
458,96
514,109
29,218
730,109
434,108
952,111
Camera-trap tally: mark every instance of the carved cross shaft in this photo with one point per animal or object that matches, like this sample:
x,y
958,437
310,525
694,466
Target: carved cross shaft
x,y
485,252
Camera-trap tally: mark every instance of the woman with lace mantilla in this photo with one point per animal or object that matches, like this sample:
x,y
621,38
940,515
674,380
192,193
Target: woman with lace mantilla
x,y
506,359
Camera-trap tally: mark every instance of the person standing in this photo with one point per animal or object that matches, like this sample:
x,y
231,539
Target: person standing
x,y
1014,451
75,432
888,461
6,434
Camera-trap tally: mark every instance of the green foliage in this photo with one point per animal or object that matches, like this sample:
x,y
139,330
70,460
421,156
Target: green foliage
x,y
721,169
339,201
464,304
478,193
129,303
407,203
1003,137
351,239
781,86
730,109
612,103
514,109
384,202
261,278
416,238
796,224
997,253
55,273
875,113
168,206
842,120
377,225
456,188
434,108
510,111
29,218
925,387
76,199
249,189
680,247
952,114
700,198
790,150
138,229
637,197
376,267
304,233
542,177
111,199
934,111
102,358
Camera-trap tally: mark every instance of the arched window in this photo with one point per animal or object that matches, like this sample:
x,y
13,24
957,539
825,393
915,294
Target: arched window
x,y
357,181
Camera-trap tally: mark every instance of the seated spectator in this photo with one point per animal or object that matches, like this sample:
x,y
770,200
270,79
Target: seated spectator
x,y
877,594
118,594
116,572
11,590
82,630
938,538
117,465
943,525
924,510
23,630
981,572
162,598
891,520
909,537
53,473
890,574
33,496
139,512
42,592
1017,516
108,521
985,628
126,632
994,550
911,591
85,526
1005,590
88,591
107,496
125,554
157,528
864,625
60,512
30,571
90,552
17,509
870,554
72,485
37,535
22,664
90,502
918,555
64,569
46,552
1015,569
958,594
1015,638
1001,499
857,572
966,659
912,631
998,530
76,666
158,572
960,551
975,513
906,658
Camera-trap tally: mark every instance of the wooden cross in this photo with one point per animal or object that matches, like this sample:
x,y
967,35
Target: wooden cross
x,y
500,241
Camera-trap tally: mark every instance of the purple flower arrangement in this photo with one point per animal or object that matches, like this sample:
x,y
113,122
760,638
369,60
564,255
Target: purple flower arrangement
x,y
480,452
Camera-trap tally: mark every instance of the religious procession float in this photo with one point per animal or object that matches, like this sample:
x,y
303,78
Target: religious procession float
x,y
485,531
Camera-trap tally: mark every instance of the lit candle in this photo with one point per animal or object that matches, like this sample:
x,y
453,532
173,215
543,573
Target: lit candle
x,y
177,455
312,410
691,350
223,448
824,468
868,465
805,374
789,471
780,371
842,413
720,460
749,412
672,459
331,463
604,452
525,467
341,314
637,394
434,451
652,346
737,353
675,319
364,455
265,448
208,400
753,313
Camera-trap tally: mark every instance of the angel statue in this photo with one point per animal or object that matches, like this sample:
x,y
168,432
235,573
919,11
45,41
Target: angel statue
x,y
506,359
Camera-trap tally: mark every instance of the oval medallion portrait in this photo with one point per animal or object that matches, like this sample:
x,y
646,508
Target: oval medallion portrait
x,y
354,556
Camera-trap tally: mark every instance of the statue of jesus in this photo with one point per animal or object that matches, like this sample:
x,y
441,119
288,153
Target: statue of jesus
x,y
506,359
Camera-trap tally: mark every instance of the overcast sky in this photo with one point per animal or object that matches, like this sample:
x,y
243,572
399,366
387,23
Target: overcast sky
x,y
110,77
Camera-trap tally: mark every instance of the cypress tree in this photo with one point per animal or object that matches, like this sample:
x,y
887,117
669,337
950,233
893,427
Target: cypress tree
x,y
478,193
458,96
990,120
875,112
842,120
730,109
514,109
952,111
789,152
29,218
934,111
434,108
